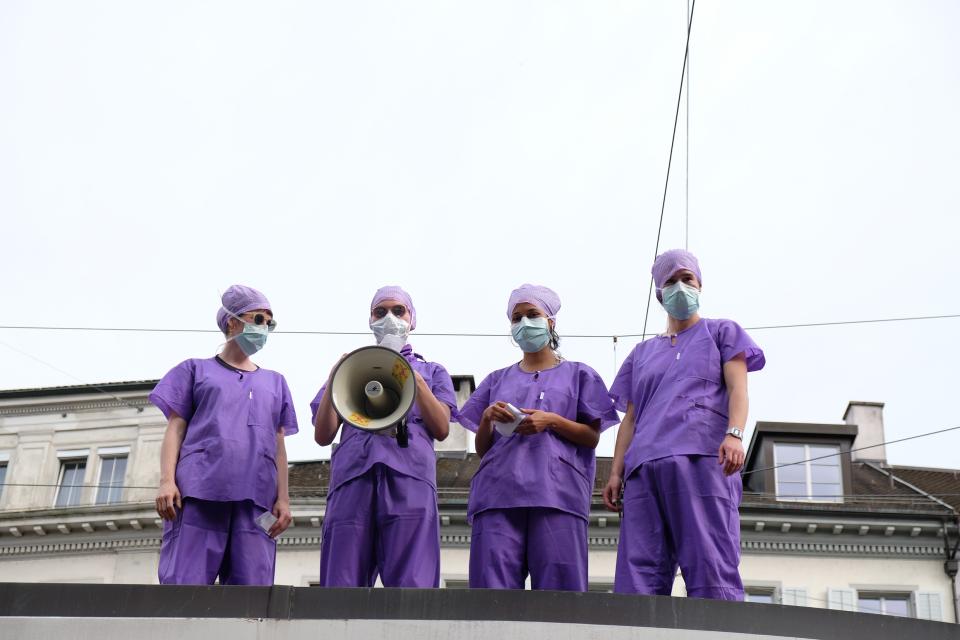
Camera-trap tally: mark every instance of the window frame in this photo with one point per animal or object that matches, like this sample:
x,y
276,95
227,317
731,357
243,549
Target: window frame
x,y
758,590
65,460
883,595
5,464
806,443
103,456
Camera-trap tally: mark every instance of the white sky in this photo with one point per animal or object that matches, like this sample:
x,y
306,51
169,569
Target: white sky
x,y
152,154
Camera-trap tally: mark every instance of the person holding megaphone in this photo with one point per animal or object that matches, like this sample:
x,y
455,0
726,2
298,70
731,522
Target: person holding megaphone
x,y
381,517
537,422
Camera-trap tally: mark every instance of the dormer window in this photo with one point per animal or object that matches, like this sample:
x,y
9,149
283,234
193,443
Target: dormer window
x,y
807,474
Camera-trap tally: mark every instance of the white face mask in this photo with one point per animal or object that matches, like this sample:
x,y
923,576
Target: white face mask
x,y
390,326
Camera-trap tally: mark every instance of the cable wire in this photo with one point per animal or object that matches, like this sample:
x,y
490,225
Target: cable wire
x,y
466,334
673,140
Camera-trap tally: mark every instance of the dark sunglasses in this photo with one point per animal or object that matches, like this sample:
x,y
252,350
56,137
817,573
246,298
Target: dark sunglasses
x,y
261,319
397,310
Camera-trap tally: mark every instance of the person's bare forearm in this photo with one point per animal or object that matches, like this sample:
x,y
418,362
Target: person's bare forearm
x,y
170,448
484,438
582,435
283,476
327,422
624,438
735,379
435,414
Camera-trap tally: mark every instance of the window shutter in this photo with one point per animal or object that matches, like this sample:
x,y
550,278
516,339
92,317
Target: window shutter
x,y
794,597
842,599
928,605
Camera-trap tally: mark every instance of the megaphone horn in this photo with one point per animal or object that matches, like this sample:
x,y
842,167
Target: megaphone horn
x,y
373,388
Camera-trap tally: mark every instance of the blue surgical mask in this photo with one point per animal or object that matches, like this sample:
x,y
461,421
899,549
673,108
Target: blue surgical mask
x,y
252,338
681,300
531,334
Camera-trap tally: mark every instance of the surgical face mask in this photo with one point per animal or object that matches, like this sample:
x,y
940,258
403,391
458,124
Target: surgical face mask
x,y
531,334
252,338
681,300
390,325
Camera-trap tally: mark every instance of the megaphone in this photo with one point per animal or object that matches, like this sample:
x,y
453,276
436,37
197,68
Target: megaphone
x,y
373,389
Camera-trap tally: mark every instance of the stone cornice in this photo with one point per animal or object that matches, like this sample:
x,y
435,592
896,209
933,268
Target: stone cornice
x,y
295,539
72,407
890,550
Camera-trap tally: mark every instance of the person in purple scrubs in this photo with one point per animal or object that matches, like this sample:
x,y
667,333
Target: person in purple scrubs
x,y
223,464
530,498
679,447
381,516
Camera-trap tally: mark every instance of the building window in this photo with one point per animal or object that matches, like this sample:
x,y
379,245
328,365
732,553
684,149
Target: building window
x,y
455,584
3,477
760,594
808,475
71,481
891,604
112,471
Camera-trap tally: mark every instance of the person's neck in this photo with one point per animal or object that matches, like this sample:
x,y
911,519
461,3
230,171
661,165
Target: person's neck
x,y
539,360
234,356
675,326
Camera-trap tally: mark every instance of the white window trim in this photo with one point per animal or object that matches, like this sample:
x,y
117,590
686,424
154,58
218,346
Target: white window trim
x,y
924,604
798,595
73,453
807,474
109,452
4,456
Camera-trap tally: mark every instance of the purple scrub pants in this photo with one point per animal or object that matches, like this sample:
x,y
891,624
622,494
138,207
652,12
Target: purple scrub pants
x,y
385,523
681,510
549,544
210,539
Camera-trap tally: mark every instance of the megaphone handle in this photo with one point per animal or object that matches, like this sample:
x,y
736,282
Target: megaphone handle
x,y
403,435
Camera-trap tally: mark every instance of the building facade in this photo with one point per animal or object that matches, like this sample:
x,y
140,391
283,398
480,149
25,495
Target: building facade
x,y
825,522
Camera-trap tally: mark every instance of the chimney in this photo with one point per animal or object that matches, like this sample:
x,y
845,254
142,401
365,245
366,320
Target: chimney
x,y
868,417
455,446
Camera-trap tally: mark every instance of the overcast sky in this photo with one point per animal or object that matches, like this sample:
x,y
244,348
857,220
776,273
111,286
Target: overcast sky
x,y
152,154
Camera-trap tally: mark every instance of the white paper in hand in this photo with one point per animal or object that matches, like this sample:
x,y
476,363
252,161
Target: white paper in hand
x,y
266,520
507,428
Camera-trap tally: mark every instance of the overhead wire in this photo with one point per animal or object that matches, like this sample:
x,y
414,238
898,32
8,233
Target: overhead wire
x,y
467,334
673,140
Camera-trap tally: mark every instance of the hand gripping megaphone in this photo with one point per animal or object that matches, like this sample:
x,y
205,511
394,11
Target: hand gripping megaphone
x,y
373,389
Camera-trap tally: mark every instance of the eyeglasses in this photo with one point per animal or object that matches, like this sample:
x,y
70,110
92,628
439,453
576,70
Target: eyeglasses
x,y
398,310
261,319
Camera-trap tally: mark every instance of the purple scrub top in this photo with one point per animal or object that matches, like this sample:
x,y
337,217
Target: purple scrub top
x,y
233,417
359,450
679,397
542,470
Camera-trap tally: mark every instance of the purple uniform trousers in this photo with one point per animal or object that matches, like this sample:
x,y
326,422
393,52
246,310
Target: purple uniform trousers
x,y
681,510
216,539
549,544
381,522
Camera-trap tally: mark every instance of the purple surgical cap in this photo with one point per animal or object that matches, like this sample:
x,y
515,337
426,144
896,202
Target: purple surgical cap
x,y
237,300
543,298
395,293
669,262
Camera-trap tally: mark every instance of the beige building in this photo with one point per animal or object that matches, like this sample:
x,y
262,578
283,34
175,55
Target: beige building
x,y
78,471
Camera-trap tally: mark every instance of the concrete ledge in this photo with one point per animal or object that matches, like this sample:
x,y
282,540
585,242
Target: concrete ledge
x,y
438,607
